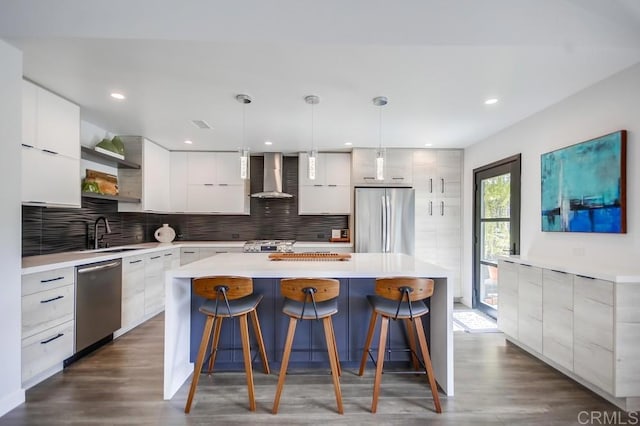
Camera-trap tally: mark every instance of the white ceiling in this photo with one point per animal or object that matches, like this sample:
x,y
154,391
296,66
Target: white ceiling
x,y
436,61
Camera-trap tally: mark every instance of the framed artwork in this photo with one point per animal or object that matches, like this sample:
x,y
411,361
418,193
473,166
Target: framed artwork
x,y
584,186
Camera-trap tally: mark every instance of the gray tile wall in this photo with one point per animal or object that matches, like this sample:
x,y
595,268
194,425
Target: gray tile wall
x,y
55,230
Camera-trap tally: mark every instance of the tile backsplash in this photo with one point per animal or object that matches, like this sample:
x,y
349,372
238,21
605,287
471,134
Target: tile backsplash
x,y
55,230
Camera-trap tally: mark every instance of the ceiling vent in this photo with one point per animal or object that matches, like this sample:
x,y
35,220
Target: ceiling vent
x,y
201,124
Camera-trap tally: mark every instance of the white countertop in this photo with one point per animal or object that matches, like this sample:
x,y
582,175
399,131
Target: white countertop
x,y
33,264
361,265
617,274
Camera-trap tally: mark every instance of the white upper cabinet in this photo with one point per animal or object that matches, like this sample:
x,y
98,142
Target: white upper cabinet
x,y
330,191
397,170
50,148
213,184
157,178
177,189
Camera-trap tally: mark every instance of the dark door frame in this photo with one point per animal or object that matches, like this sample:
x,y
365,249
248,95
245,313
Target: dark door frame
x,y
513,165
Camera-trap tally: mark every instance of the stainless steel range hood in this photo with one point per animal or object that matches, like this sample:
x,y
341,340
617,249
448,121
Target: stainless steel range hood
x,y
272,186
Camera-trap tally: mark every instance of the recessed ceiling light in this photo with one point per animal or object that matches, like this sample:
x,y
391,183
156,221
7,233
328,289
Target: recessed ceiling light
x,y
491,101
268,143
348,143
428,144
118,96
188,142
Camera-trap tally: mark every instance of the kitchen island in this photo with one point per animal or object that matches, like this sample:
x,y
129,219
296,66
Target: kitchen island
x,y
183,324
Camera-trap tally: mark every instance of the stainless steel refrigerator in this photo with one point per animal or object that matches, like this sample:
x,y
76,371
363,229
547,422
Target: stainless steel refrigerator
x,y
385,220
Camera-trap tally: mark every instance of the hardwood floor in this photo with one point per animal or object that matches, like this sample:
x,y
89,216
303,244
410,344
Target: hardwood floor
x,y
121,383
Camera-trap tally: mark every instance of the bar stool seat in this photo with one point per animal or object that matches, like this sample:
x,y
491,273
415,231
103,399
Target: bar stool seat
x,y
310,299
400,298
227,297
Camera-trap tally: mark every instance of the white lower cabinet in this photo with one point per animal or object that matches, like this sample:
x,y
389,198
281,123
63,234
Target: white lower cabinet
x,y
153,283
47,320
191,254
593,331
508,298
133,275
557,317
530,306
45,350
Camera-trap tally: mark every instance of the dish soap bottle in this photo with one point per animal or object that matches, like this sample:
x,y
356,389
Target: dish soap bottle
x,y
165,234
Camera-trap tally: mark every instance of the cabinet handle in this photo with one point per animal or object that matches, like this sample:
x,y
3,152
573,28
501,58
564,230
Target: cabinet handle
x,y
441,208
44,342
317,185
397,178
508,261
51,279
208,184
223,184
442,185
155,257
369,178
51,300
222,251
27,145
584,276
430,208
189,252
48,151
528,266
555,270
431,185
332,186
135,261
168,254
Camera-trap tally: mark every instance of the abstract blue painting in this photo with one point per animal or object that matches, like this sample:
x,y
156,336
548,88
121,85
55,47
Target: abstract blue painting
x,y
584,186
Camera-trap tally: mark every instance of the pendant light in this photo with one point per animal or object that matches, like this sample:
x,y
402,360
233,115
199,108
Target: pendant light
x,y
244,151
380,101
313,154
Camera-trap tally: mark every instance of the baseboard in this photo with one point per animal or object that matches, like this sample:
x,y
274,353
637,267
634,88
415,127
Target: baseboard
x,y
11,401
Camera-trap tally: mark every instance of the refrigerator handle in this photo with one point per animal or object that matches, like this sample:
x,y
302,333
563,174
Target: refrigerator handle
x,y
383,212
387,248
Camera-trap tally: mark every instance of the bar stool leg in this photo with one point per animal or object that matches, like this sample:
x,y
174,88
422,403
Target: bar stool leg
x,y
285,363
384,327
411,334
367,343
258,332
246,352
206,335
214,343
335,346
428,366
333,361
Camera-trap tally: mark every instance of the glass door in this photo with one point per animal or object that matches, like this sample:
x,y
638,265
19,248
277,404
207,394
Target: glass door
x,y
496,227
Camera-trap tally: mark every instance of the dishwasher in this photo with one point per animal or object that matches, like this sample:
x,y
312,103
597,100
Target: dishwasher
x,y
98,303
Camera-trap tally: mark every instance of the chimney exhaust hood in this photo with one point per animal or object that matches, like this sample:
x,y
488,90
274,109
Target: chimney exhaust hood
x,y
272,186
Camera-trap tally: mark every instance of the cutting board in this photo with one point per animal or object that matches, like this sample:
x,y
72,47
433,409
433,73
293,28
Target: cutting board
x,y
107,183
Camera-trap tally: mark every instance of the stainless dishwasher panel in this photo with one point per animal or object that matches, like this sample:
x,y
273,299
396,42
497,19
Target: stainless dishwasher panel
x,y
98,301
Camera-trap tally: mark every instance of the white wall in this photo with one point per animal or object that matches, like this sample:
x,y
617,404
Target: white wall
x,y
605,107
11,392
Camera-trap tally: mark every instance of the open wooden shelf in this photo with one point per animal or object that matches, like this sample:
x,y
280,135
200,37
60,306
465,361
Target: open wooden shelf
x,y
93,155
110,197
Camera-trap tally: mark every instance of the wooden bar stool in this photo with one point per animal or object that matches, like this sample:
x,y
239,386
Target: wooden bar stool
x,y
310,299
227,297
400,298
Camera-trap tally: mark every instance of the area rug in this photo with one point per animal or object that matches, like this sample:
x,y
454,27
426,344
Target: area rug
x,y
473,322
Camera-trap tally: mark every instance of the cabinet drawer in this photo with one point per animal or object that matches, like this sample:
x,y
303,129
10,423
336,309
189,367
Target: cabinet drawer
x,y
46,349
33,283
46,309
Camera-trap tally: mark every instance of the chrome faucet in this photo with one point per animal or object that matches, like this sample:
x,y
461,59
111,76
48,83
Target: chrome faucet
x,y
95,230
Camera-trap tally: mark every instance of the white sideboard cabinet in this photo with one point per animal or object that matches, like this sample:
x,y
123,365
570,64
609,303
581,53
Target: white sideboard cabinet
x,y
586,325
